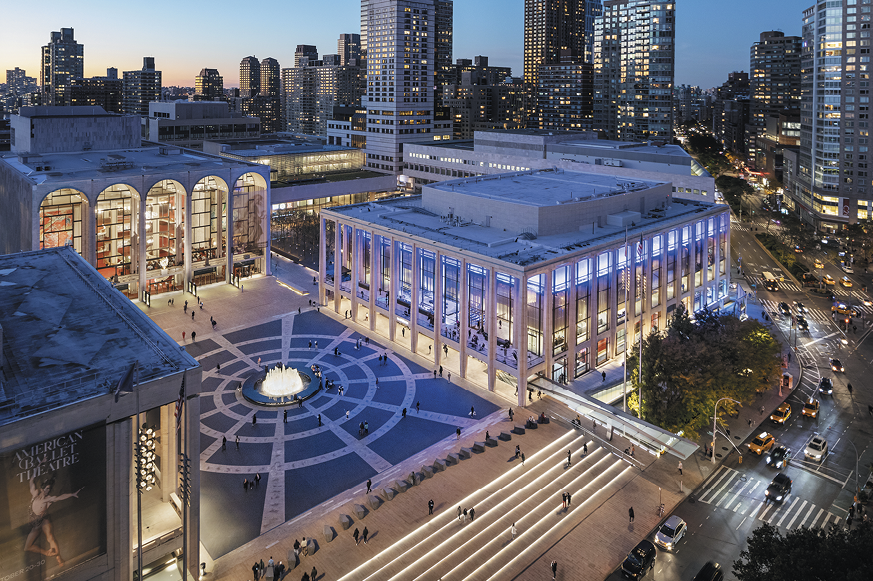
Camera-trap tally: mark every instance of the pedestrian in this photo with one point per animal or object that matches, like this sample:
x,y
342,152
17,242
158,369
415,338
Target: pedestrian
x,y
256,569
313,574
517,451
465,515
369,485
449,376
193,336
347,414
183,335
585,449
404,412
633,448
568,499
750,422
513,531
237,442
460,512
319,420
680,468
434,371
355,534
762,410
458,432
630,513
441,370
192,315
417,406
554,570
430,506
257,478
310,343
522,458
603,375
364,534
849,387
472,412
472,513
569,458
254,418
246,487
224,442
563,500
285,416
510,414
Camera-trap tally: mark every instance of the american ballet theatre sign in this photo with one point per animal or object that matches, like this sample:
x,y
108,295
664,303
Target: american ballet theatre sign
x,y
53,505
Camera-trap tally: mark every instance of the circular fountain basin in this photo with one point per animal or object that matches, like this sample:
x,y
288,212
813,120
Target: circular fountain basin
x,y
253,388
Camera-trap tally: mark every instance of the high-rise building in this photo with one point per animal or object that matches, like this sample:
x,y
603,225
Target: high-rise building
x,y
831,184
106,92
634,69
564,97
209,86
555,32
271,78
63,59
305,55
400,40
443,43
18,83
774,77
730,111
484,106
249,77
141,88
312,92
349,49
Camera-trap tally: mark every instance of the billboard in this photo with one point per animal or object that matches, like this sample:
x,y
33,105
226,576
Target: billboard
x,y
53,505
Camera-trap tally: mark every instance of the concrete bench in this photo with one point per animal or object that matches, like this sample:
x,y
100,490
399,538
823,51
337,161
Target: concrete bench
x,y
479,447
491,443
439,465
401,486
345,521
518,430
465,453
375,501
505,436
329,533
427,471
530,425
360,511
452,459
543,420
389,493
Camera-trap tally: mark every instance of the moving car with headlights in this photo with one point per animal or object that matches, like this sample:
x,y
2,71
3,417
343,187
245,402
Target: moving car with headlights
x,y
828,280
810,408
846,309
779,489
837,366
778,457
670,533
818,263
825,385
802,324
785,309
639,560
817,449
801,308
762,443
782,413
847,269
846,282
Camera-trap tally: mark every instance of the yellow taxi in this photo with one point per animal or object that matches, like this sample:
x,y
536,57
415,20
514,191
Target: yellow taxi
x,y
846,282
810,408
782,413
818,263
844,309
828,280
762,443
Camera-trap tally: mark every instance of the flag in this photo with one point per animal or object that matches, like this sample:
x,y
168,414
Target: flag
x,y
180,403
640,247
125,384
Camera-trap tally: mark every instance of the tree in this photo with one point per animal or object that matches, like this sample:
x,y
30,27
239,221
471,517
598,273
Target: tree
x,y
693,364
805,554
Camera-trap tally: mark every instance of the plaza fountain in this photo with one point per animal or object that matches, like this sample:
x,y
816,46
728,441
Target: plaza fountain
x,y
282,382
279,385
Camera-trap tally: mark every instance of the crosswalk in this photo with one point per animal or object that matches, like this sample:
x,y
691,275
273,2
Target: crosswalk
x,y
731,490
758,281
812,313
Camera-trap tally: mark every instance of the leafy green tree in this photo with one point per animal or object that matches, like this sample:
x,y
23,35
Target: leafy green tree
x,y
693,364
807,554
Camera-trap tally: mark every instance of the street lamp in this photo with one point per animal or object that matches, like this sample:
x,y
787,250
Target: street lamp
x,y
715,418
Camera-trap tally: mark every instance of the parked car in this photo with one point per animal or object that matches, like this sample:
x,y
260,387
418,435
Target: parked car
x,y
639,560
670,533
778,457
817,449
779,489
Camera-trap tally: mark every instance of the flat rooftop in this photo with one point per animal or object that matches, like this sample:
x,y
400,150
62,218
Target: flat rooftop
x,y
408,216
319,178
636,147
272,147
68,336
544,188
147,159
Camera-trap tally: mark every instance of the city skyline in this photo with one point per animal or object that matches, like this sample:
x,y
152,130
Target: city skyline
x,y
704,56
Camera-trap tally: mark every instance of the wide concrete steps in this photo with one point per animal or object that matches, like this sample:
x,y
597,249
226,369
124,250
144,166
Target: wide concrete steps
x,y
530,496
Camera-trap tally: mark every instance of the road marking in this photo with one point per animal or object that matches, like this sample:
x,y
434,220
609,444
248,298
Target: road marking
x,y
727,471
766,510
803,522
799,510
820,512
787,512
739,504
723,486
731,501
741,524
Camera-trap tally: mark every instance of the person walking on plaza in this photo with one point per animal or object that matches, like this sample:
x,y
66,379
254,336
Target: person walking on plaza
x,y
193,335
510,414
284,416
522,458
430,506
319,420
364,534
465,515
568,499
355,534
603,375
569,458
369,485
563,500
680,468
472,513
313,574
224,442
458,432
585,449
255,418
630,513
237,442
554,570
513,531
460,512
256,570
417,406
517,451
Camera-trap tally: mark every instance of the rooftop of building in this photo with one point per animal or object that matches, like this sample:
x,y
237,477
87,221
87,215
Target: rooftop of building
x,y
261,148
149,159
337,176
650,147
68,336
518,248
47,111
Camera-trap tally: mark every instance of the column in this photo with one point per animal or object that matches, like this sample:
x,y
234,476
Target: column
x,y
464,314
267,228
393,289
89,232
168,451
141,248
520,332
375,276
549,323
189,273
228,243
571,323
491,310
192,443
322,259
356,272
121,497
438,310
337,265
413,309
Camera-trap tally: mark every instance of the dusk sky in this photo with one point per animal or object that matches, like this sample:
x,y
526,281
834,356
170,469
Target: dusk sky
x,y
713,36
